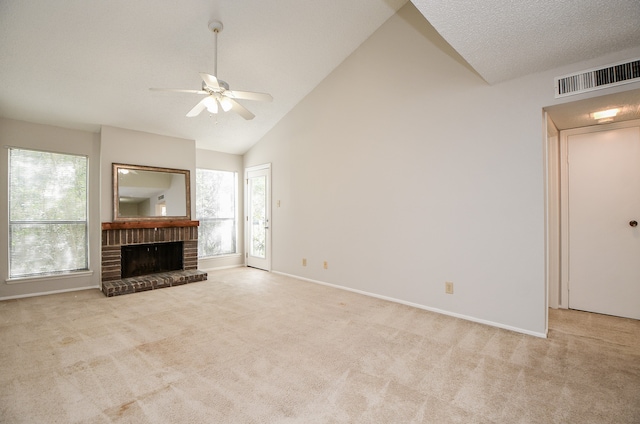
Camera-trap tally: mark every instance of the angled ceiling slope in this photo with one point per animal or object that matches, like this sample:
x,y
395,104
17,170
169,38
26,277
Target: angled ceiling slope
x,y
503,40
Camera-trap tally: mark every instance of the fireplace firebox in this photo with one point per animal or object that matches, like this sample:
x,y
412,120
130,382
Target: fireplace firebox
x,y
143,259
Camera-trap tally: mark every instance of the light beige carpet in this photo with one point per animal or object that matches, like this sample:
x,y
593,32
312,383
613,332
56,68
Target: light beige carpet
x,y
248,346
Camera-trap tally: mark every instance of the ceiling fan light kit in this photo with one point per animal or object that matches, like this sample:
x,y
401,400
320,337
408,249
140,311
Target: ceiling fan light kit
x,y
217,92
211,104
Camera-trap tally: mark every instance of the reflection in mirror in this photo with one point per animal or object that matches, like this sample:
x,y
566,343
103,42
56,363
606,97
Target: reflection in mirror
x,y
145,192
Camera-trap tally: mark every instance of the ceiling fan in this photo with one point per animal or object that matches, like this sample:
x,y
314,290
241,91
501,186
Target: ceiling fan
x,y
217,92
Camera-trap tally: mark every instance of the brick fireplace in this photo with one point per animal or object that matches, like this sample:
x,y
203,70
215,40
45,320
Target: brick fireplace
x,y
115,235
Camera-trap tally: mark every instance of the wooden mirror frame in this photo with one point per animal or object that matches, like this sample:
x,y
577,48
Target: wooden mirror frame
x,y
120,167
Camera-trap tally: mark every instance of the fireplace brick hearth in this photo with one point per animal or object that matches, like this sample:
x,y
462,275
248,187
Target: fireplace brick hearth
x,y
115,235
151,282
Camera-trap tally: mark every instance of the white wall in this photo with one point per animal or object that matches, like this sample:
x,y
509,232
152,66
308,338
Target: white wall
x,y
174,196
404,169
60,140
217,161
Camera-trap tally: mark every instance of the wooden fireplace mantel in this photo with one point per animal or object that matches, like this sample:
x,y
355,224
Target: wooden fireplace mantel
x,y
125,225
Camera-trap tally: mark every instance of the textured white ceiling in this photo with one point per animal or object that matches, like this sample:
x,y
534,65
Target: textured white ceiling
x,y
505,39
86,63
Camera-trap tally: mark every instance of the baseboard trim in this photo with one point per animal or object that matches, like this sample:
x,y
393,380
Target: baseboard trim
x,y
218,268
21,296
419,306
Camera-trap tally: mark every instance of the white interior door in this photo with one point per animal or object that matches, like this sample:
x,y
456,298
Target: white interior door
x,y
258,217
603,208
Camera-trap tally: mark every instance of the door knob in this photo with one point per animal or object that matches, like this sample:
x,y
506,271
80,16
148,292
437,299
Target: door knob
x,y
633,223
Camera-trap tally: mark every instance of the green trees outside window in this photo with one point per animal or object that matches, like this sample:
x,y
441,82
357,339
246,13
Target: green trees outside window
x,y
216,210
47,213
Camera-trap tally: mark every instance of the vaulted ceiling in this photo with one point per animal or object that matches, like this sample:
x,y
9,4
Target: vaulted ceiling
x,y
82,64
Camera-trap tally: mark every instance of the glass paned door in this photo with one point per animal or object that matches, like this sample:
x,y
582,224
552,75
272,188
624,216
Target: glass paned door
x,y
258,215
257,218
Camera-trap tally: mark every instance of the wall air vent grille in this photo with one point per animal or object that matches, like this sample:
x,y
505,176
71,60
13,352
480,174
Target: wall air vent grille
x,y
597,78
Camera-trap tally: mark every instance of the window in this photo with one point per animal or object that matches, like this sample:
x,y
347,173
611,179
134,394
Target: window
x,y
47,213
216,211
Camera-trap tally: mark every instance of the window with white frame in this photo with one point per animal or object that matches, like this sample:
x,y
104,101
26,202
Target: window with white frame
x,y
216,193
47,213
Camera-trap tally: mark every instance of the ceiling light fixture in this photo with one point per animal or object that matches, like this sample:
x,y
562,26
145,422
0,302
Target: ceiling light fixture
x,y
211,104
609,113
226,104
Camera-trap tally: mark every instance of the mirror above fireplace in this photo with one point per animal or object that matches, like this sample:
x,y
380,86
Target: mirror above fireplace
x,y
150,193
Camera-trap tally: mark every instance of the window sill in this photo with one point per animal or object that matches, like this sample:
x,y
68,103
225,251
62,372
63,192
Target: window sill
x,y
78,274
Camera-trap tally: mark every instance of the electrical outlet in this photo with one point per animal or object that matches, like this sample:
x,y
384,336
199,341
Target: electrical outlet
x,y
325,265
304,261
448,287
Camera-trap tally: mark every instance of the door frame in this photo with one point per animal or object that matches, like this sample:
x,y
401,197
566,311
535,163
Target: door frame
x,y
552,216
563,288
267,167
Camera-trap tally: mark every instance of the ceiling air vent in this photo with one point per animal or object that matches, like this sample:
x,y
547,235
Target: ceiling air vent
x,y
597,78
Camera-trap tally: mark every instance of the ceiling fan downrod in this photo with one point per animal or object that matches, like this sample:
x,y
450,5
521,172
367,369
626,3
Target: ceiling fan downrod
x,y
215,27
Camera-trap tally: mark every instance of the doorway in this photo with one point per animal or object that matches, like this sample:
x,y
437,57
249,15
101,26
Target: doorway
x,y
600,198
558,119
258,217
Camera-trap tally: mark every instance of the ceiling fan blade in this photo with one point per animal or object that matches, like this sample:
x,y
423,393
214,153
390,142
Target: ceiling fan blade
x,y
249,95
210,80
241,110
198,108
179,90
